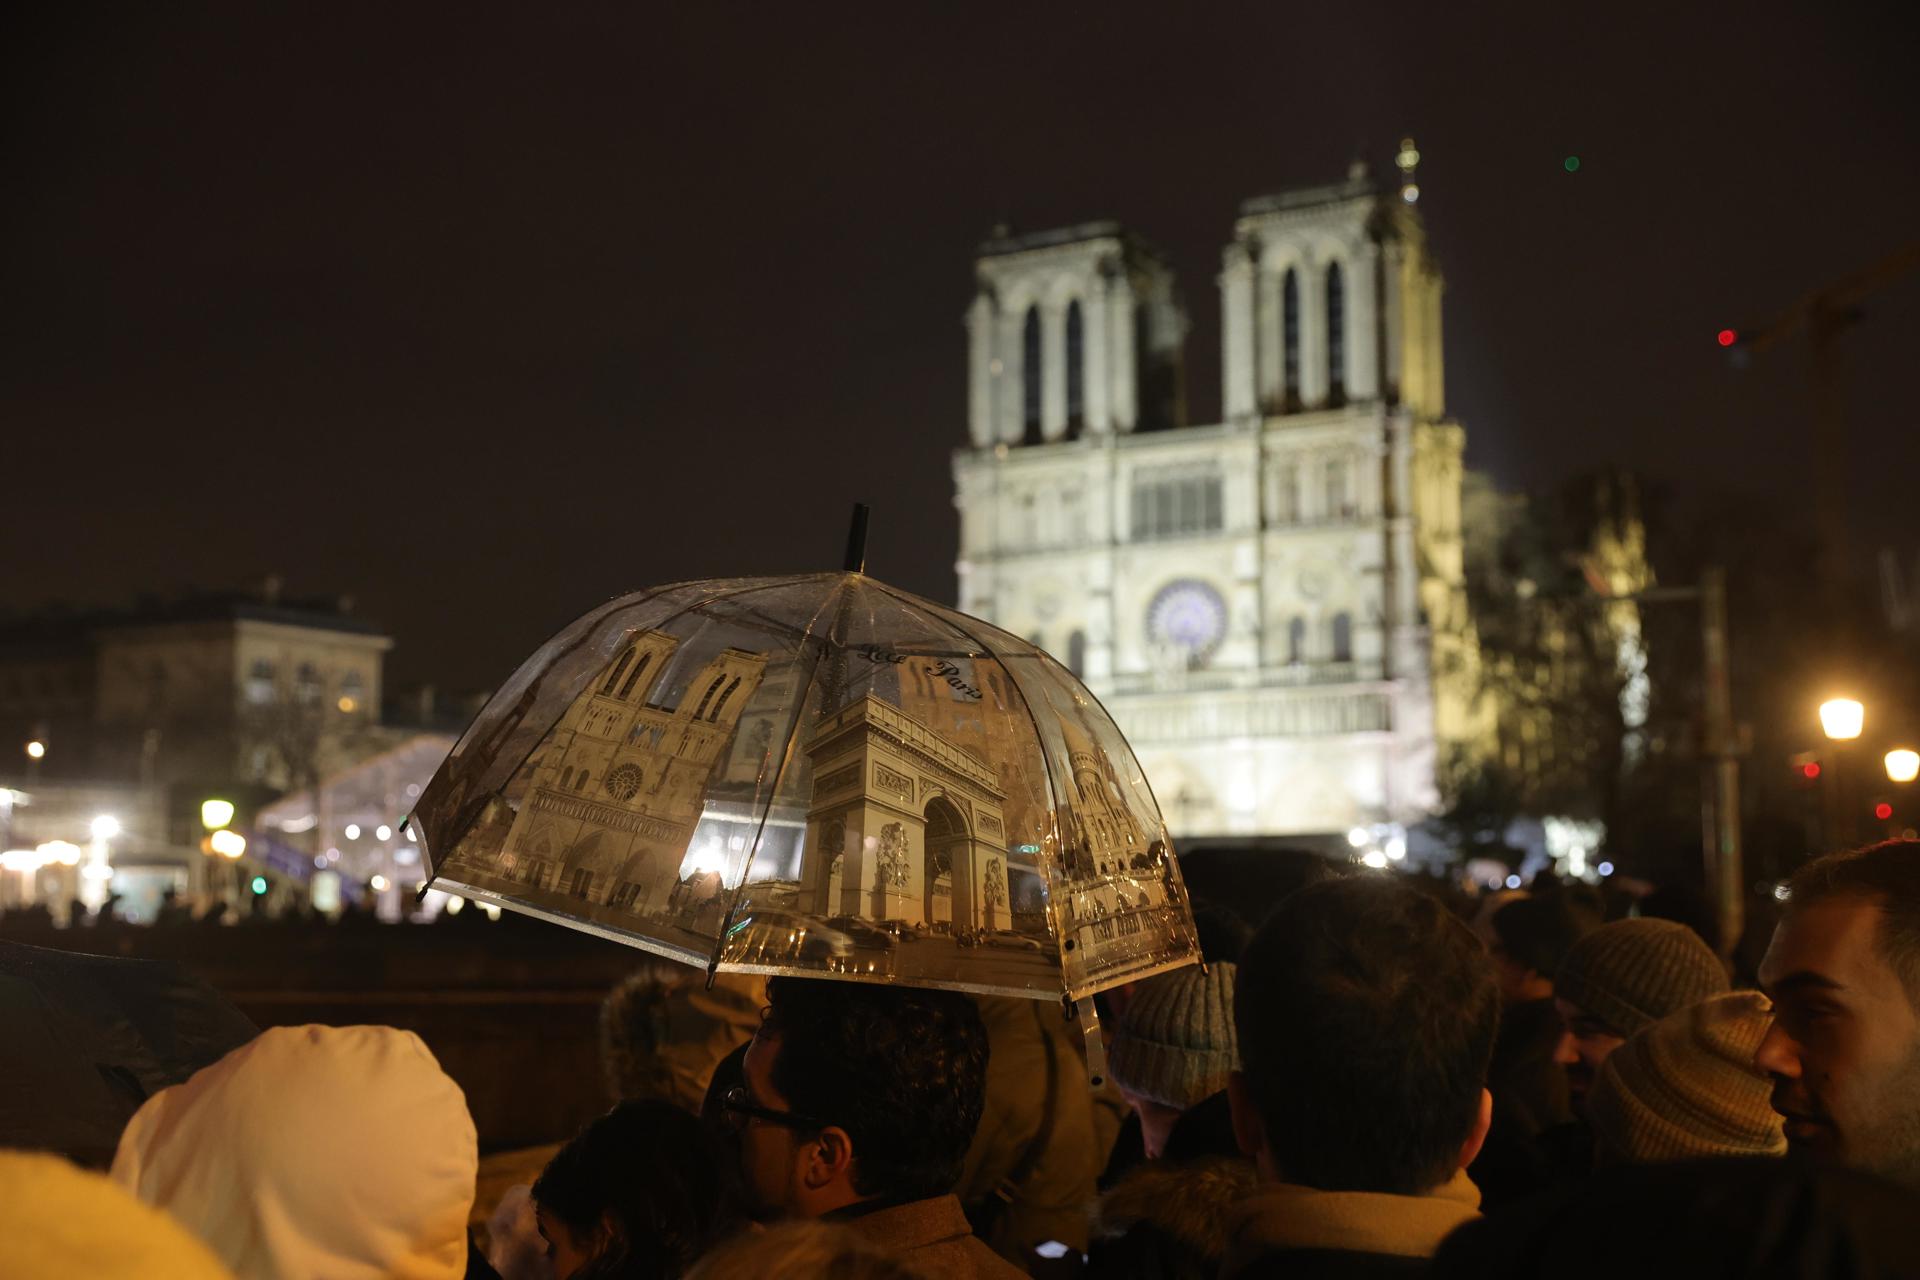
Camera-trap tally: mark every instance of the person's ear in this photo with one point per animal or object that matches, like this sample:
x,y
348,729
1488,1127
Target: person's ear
x,y
829,1157
1470,1149
1249,1133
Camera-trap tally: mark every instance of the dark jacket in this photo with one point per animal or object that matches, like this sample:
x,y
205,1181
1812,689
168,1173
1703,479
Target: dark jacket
x,y
1167,1220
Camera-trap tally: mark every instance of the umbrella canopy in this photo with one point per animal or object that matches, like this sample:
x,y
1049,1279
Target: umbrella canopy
x,y
85,1039
817,775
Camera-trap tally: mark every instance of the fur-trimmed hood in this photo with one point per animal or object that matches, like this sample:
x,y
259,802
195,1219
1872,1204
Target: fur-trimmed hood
x,y
1189,1202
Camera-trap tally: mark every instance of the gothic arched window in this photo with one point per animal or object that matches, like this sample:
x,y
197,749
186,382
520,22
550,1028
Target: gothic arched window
x,y
1336,335
1030,376
700,712
1076,371
1077,653
606,686
1343,637
1297,640
720,705
634,675
1290,337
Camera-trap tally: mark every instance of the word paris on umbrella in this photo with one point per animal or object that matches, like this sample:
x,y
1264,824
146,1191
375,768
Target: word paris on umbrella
x,y
821,776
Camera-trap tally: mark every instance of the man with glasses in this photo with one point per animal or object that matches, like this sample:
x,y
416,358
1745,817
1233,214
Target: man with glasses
x,y
858,1104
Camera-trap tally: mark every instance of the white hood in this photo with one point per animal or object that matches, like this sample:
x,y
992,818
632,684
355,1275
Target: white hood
x,y
343,1152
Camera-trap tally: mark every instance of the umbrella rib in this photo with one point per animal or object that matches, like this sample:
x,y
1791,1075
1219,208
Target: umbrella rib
x,y
779,775
1053,790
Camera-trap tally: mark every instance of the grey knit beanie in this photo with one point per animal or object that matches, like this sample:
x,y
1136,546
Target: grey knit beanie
x,y
1632,973
1175,1042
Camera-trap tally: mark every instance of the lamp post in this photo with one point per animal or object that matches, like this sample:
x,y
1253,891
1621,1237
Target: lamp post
x,y
1842,720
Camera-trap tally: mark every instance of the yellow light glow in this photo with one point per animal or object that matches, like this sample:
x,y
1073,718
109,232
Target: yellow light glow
x,y
106,827
35,750
64,852
228,844
349,705
379,884
215,814
1842,719
1903,765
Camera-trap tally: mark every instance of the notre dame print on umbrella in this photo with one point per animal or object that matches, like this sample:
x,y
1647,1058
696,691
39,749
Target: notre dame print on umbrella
x,y
818,775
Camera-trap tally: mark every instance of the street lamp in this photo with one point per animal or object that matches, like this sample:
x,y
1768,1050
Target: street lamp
x,y
1903,765
36,749
1842,719
215,814
106,827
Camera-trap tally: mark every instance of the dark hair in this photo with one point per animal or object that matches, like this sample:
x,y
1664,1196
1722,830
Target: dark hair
x,y
1886,874
1538,932
902,1070
1366,1014
649,1165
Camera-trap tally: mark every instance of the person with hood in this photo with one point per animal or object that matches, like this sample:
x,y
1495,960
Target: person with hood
x,y
336,1152
61,1222
1364,1013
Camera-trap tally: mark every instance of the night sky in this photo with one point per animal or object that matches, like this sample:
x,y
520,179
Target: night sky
x,y
484,316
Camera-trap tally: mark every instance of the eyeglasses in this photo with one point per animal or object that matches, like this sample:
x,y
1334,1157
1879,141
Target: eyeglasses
x,y
738,1107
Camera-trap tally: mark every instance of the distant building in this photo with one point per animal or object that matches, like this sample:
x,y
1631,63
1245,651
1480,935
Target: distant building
x,y
210,690
1272,607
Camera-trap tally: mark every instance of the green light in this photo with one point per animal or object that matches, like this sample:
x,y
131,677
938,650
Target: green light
x,y
259,884
1572,164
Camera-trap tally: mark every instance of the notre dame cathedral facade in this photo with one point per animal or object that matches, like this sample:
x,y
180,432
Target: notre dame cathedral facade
x,y
1271,606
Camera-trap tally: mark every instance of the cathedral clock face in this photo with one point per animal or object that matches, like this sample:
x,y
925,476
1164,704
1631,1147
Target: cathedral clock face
x,y
1189,616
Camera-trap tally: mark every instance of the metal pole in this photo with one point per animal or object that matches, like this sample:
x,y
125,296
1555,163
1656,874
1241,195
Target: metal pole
x,y
856,558
1722,801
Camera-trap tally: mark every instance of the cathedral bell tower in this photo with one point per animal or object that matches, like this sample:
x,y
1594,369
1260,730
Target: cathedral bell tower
x,y
1073,332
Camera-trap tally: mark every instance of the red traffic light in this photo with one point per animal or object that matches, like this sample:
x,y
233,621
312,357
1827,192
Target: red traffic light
x,y
1728,337
1883,811
1810,770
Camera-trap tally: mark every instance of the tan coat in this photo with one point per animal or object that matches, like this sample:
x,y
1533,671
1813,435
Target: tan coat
x,y
932,1237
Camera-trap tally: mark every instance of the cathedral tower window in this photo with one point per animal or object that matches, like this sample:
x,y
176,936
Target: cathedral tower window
x,y
1338,503
1030,376
1290,338
700,712
1076,372
606,686
1297,641
633,675
1343,637
721,705
1336,335
1077,653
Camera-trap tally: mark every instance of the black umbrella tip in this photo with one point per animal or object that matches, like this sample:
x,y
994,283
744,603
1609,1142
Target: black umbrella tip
x,y
856,558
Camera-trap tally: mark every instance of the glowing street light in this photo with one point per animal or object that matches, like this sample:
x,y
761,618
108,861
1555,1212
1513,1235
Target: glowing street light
x,y
353,831
1903,765
215,814
228,844
383,833
36,749
106,827
1842,719
379,884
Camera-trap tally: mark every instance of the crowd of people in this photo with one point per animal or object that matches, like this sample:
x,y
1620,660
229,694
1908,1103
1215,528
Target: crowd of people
x,y
1363,1082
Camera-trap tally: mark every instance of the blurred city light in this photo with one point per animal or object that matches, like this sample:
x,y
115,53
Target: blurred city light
x,y
379,884
1728,337
259,884
228,844
215,814
1842,718
1883,811
63,852
383,832
1375,859
353,831
36,749
1605,868
106,827
1513,882
1903,765
1571,164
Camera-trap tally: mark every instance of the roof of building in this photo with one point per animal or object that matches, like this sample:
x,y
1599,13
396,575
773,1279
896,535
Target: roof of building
x,y
59,628
1004,243
1358,187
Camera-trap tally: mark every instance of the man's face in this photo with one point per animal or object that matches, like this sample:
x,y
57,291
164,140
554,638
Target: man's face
x,y
1583,1047
1844,1048
770,1158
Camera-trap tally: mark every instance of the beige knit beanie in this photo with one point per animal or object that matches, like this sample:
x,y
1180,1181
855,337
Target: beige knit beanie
x,y
1686,1086
1175,1042
1632,973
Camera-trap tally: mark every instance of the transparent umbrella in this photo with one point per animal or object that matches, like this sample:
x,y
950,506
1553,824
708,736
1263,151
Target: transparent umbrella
x,y
816,775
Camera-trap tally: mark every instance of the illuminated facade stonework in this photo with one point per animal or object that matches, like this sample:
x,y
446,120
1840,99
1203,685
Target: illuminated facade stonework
x,y
1272,607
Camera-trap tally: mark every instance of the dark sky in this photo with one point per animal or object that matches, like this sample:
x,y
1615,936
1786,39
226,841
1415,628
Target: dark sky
x,y
483,315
